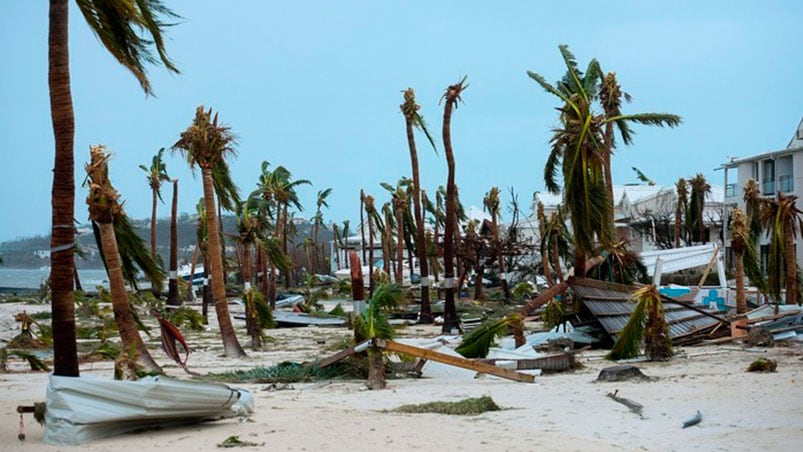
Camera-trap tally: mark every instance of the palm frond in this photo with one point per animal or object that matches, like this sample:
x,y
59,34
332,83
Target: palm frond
x,y
476,343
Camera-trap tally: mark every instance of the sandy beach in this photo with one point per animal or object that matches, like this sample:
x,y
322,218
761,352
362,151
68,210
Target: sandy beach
x,y
564,411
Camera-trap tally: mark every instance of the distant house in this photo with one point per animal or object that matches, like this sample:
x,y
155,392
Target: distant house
x,y
644,215
779,171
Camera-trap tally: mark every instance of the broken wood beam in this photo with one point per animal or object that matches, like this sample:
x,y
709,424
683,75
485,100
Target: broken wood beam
x,y
633,406
551,363
342,354
453,360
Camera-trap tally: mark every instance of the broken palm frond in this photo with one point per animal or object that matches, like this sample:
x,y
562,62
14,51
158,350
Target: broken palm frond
x,y
291,372
553,313
373,322
263,312
33,361
633,406
185,316
235,441
171,335
694,420
763,365
465,407
647,323
476,343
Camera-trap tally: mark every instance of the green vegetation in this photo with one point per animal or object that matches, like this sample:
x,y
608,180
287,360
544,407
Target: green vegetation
x,y
466,407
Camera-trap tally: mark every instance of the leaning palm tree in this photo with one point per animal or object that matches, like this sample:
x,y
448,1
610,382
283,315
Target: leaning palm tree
x,y
647,323
104,209
783,222
205,143
129,29
155,174
414,120
451,99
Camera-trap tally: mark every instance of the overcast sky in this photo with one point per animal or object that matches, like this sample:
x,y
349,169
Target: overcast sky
x,y
316,86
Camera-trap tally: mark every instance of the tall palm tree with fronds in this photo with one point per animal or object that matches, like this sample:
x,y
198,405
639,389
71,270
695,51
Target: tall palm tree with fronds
x,y
414,120
581,148
205,144
611,97
700,188
285,195
681,206
104,209
155,174
783,222
129,29
451,98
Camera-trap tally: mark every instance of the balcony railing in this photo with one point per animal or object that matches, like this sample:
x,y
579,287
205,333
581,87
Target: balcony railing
x,y
786,184
731,190
768,187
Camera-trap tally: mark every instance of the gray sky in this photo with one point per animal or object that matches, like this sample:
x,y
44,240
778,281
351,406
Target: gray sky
x,y
316,86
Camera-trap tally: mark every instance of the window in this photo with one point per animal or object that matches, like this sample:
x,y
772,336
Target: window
x,y
768,178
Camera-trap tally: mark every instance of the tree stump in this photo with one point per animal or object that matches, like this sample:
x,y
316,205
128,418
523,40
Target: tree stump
x,y
621,373
759,337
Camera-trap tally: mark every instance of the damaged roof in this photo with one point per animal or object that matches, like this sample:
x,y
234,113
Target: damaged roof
x,y
611,305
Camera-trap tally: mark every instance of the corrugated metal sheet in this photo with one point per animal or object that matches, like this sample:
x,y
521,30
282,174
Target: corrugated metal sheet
x,y
611,305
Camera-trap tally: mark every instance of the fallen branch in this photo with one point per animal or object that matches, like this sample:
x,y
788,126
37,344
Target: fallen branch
x,y
633,406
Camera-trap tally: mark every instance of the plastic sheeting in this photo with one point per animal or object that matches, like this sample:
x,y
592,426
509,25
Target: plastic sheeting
x,y
81,409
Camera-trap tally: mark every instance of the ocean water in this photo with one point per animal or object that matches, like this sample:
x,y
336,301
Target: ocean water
x,y
26,278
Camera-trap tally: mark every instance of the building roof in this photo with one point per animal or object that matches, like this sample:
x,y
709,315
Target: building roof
x,y
795,145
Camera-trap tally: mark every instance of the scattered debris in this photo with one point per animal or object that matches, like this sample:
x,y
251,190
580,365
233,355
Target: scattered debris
x,y
621,373
633,406
694,420
235,441
763,365
466,407
759,337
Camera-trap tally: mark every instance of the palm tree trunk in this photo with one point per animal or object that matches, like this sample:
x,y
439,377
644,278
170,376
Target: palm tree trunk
x,y
791,262
231,345
450,311
62,238
678,216
556,257
172,283
738,264
127,327
370,259
499,256
400,246
362,227
153,222
608,176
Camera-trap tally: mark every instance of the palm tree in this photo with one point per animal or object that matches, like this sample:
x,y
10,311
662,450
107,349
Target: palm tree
x,y
104,209
414,120
205,144
680,207
317,223
647,323
611,96
155,174
699,189
284,193
740,241
120,27
491,204
582,145
783,222
172,283
451,98
370,212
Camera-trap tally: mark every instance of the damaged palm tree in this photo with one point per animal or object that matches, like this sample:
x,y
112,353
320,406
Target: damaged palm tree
x,y
477,343
647,323
373,324
104,208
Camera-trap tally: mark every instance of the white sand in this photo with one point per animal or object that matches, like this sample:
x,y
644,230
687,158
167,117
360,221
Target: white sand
x,y
567,411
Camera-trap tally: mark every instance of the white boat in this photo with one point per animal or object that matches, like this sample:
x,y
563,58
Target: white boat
x,y
197,277
82,409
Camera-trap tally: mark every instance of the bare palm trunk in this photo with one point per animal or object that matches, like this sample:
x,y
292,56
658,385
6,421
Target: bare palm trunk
x,y
191,279
172,283
556,257
791,262
400,246
450,321
545,244
738,264
370,259
362,227
231,345
154,199
608,176
62,238
126,325
500,257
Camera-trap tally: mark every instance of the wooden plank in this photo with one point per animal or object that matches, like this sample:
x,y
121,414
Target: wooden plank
x,y
453,360
551,363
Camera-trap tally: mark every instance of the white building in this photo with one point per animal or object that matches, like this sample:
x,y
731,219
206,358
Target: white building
x,y
779,171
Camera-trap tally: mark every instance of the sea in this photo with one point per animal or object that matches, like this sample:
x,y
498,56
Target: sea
x,y
28,278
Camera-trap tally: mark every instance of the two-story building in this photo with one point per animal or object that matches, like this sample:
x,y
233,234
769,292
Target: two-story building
x,y
779,171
